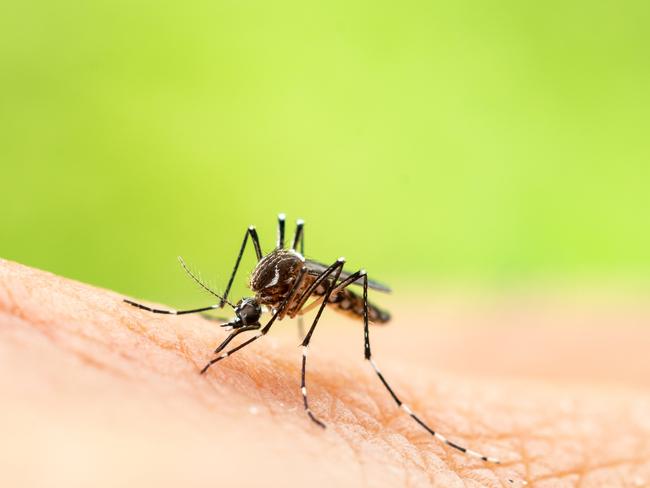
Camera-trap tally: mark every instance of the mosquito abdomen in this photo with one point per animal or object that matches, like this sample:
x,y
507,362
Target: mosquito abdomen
x,y
350,303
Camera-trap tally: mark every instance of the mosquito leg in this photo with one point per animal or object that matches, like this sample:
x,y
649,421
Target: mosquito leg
x,y
402,405
298,237
222,300
336,269
321,277
266,328
172,312
281,221
231,351
234,334
258,252
343,284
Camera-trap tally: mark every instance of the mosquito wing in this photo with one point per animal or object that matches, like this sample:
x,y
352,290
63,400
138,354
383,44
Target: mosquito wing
x,y
314,267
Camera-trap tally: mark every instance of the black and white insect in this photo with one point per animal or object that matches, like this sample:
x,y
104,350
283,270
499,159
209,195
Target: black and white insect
x,y
283,281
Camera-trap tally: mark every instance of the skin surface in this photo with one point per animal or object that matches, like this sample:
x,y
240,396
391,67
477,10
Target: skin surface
x,y
97,393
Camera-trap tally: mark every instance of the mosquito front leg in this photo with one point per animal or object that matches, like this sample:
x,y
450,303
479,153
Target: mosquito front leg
x,y
258,252
171,312
222,300
234,334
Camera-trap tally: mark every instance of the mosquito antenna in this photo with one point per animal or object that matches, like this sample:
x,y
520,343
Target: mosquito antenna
x,y
201,284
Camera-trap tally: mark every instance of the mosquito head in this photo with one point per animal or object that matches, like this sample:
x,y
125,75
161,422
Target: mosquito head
x,y
248,311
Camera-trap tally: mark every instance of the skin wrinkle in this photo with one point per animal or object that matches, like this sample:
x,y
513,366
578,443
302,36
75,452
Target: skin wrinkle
x,y
349,441
80,355
591,468
525,460
423,463
165,353
42,326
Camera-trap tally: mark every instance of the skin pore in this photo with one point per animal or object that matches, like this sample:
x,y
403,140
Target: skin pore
x,y
98,393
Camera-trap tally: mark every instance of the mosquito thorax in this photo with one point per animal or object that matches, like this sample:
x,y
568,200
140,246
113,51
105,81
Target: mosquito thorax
x,y
273,276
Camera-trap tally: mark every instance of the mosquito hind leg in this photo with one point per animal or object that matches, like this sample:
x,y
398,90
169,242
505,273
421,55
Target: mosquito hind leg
x,y
398,401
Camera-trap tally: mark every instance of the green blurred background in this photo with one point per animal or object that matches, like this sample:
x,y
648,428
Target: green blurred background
x,y
436,142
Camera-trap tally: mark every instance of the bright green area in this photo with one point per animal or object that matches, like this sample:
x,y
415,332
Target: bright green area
x,y
426,140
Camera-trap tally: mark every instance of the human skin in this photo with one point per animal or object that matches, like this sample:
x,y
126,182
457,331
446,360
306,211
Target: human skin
x,y
98,393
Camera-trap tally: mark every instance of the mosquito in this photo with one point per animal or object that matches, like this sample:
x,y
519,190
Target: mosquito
x,y
283,281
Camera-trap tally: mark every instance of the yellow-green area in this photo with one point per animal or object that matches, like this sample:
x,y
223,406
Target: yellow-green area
x,y
423,140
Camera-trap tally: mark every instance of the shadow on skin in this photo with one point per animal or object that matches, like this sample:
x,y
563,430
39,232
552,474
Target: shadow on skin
x,y
98,393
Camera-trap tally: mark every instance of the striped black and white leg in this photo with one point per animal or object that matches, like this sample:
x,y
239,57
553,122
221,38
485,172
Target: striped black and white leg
x,y
171,312
231,351
234,334
335,269
222,299
302,299
402,405
303,388
299,237
266,328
